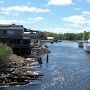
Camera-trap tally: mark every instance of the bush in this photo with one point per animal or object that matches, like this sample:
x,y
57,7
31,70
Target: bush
x,y
4,49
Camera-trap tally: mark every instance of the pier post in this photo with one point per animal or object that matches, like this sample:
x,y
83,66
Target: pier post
x,y
47,59
40,60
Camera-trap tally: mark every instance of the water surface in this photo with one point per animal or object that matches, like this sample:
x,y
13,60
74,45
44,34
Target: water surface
x,y
68,69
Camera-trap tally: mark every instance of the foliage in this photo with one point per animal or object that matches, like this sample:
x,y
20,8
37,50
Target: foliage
x,y
68,36
4,49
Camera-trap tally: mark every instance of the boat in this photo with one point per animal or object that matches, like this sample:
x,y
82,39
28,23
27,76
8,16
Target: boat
x,y
52,41
87,45
80,43
59,40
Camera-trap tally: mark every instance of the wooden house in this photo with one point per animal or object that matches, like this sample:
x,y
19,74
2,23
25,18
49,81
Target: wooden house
x,y
12,35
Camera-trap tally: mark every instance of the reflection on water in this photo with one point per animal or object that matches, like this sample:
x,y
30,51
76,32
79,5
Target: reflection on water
x,y
68,68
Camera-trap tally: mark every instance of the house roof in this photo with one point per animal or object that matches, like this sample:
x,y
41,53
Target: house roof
x,y
12,26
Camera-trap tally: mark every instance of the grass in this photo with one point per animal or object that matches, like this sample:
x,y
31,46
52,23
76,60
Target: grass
x,y
4,49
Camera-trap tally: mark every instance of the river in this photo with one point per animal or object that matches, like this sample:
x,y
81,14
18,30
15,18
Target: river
x,y
68,68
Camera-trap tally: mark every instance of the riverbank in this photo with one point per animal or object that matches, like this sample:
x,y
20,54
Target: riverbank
x,y
12,72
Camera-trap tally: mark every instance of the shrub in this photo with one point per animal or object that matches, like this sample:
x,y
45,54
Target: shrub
x,y
4,49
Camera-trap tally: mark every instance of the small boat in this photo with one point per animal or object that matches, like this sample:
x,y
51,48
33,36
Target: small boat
x,y
59,40
87,45
55,40
52,41
80,43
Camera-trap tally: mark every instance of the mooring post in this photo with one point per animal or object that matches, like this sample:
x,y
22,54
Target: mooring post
x,y
40,60
47,59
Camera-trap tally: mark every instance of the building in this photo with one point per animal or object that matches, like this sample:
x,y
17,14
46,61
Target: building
x,y
12,35
33,35
43,36
50,38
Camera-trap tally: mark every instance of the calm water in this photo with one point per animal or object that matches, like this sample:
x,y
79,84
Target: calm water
x,y
68,69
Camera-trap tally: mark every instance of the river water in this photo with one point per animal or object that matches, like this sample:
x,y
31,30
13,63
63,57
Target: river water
x,y
68,68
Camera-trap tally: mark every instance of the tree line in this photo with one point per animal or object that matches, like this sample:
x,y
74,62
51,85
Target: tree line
x,y
68,36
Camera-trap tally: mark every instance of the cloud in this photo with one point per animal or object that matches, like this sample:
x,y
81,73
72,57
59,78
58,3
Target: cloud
x,y
35,19
15,14
86,13
63,30
29,20
76,19
78,22
88,1
60,2
78,9
6,13
23,9
8,21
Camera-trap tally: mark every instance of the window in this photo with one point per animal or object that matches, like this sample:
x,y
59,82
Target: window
x,y
25,41
15,41
4,31
18,41
11,40
10,32
2,40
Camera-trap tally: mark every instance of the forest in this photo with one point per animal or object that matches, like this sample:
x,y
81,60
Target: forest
x,y
68,36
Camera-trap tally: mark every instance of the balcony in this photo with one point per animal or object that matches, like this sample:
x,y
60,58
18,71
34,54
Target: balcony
x,y
18,36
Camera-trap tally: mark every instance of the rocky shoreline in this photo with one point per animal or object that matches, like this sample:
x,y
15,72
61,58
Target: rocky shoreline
x,y
12,72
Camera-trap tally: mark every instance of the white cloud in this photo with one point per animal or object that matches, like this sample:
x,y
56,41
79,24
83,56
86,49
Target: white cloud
x,y
78,9
15,14
88,1
35,19
23,9
76,19
60,2
86,13
29,20
78,22
6,13
8,21
63,30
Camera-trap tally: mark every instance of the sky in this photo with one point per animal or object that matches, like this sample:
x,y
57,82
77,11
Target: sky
x,y
57,16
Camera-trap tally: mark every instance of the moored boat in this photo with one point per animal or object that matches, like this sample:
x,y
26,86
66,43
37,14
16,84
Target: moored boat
x,y
59,40
87,45
52,41
80,43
